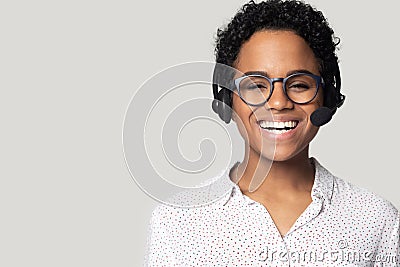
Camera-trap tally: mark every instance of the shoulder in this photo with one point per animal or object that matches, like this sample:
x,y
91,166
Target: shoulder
x,y
207,197
170,215
189,207
354,202
363,201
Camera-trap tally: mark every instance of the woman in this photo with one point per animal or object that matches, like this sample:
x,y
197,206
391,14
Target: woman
x,y
295,212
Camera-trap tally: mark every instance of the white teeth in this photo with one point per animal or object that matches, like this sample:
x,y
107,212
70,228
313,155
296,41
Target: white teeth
x,y
278,131
277,125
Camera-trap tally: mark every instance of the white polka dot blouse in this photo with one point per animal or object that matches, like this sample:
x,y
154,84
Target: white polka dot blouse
x,y
343,226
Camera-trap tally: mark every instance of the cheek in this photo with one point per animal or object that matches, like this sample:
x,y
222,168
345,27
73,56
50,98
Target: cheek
x,y
241,113
240,109
309,131
313,106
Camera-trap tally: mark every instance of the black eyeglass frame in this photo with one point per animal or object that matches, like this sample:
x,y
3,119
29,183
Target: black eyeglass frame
x,y
319,81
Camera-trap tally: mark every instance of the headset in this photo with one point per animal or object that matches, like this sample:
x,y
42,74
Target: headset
x,y
333,99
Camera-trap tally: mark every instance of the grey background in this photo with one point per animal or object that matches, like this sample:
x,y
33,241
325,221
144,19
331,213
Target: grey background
x,y
68,71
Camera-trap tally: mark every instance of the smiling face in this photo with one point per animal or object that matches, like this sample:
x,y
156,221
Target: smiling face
x,y
277,54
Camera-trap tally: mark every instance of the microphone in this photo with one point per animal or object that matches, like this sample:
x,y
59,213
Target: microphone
x,y
323,115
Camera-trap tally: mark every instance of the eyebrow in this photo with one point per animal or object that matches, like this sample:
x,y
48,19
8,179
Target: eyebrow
x,y
264,73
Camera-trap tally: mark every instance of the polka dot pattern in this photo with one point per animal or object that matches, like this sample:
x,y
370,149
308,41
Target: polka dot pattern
x,y
343,226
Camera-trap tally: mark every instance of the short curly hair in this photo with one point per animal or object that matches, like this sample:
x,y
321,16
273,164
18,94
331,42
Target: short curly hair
x,y
296,16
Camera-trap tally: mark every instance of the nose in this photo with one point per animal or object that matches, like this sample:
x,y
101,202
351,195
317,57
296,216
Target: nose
x,y
278,100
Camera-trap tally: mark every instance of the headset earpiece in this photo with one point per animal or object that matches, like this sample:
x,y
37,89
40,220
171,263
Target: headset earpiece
x,y
330,96
225,106
222,103
333,99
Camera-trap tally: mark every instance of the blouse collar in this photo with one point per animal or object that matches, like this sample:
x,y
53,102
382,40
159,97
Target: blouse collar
x,y
322,186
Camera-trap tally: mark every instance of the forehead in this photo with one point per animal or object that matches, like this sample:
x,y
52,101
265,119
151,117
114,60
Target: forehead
x,y
276,52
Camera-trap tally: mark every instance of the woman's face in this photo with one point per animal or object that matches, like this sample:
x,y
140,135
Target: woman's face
x,y
278,54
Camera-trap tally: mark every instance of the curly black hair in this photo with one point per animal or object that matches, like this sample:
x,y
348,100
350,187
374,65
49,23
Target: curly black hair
x,y
296,16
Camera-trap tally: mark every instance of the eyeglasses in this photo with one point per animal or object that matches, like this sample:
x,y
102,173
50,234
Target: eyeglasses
x,y
300,88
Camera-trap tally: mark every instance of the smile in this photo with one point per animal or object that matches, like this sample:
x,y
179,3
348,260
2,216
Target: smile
x,y
277,127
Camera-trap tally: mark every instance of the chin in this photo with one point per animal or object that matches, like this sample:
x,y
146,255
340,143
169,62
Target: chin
x,y
281,157
274,156
281,153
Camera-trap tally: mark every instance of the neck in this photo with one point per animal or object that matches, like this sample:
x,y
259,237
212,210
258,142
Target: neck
x,y
260,176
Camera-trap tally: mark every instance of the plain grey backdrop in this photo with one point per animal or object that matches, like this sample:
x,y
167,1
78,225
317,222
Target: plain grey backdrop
x,y
68,72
